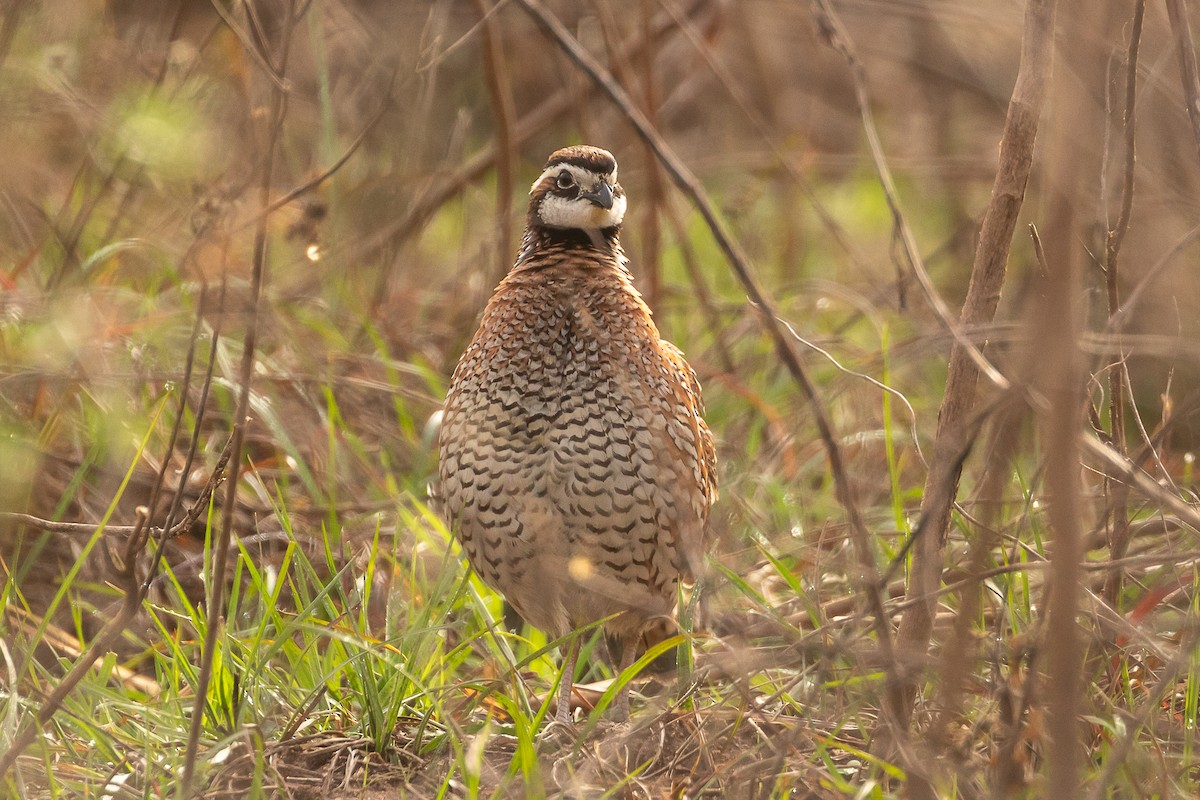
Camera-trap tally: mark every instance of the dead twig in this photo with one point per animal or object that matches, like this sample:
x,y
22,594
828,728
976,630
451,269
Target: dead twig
x,y
112,631
1177,13
169,531
687,183
499,83
835,34
1119,508
1058,380
210,486
216,587
979,309
438,192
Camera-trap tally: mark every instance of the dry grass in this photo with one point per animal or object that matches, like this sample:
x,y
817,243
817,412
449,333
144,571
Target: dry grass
x,y
184,208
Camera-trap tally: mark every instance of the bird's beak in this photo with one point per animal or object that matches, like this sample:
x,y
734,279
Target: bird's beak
x,y
602,195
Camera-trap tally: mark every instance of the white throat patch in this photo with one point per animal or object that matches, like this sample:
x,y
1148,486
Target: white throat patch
x,y
560,212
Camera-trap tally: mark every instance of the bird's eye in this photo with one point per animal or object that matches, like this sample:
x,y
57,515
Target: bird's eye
x,y
565,181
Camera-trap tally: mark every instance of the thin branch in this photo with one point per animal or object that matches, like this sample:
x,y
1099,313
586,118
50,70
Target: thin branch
x,y
167,532
1119,512
835,33
499,84
220,552
197,426
687,183
104,642
1058,379
1177,13
1135,475
438,192
979,310
316,181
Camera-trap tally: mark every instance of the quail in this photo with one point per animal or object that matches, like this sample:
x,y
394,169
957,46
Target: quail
x,y
575,464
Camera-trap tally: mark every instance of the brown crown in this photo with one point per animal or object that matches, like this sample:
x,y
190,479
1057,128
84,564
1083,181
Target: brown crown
x,y
585,156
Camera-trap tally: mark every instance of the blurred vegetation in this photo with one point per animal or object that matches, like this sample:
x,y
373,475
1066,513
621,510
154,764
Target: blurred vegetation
x,y
358,655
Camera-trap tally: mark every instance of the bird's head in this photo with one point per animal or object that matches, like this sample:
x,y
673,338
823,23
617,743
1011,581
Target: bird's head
x,y
578,189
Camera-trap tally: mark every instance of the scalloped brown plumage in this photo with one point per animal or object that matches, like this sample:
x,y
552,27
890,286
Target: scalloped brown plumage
x,y
575,465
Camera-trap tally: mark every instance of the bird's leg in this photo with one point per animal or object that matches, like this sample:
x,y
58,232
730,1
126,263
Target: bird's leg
x,y
620,708
568,681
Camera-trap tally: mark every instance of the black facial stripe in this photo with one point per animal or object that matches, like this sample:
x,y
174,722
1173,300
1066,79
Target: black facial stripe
x,y
592,163
551,187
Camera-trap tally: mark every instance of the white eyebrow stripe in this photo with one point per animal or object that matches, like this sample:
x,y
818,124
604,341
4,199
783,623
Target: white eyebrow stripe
x,y
582,176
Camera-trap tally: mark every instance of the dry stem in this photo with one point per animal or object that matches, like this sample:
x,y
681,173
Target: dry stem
x,y
979,309
500,90
1119,507
690,186
220,552
1177,13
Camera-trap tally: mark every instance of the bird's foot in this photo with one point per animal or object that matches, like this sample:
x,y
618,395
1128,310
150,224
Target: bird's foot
x,y
557,733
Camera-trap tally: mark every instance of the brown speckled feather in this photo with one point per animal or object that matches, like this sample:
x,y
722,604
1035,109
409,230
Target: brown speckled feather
x,y
576,466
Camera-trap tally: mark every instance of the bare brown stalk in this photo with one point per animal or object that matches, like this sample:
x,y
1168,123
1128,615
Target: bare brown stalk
x,y
1119,490
499,84
979,309
220,552
656,194
134,591
835,33
427,201
651,230
1058,386
765,129
126,576
959,658
1177,13
687,183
